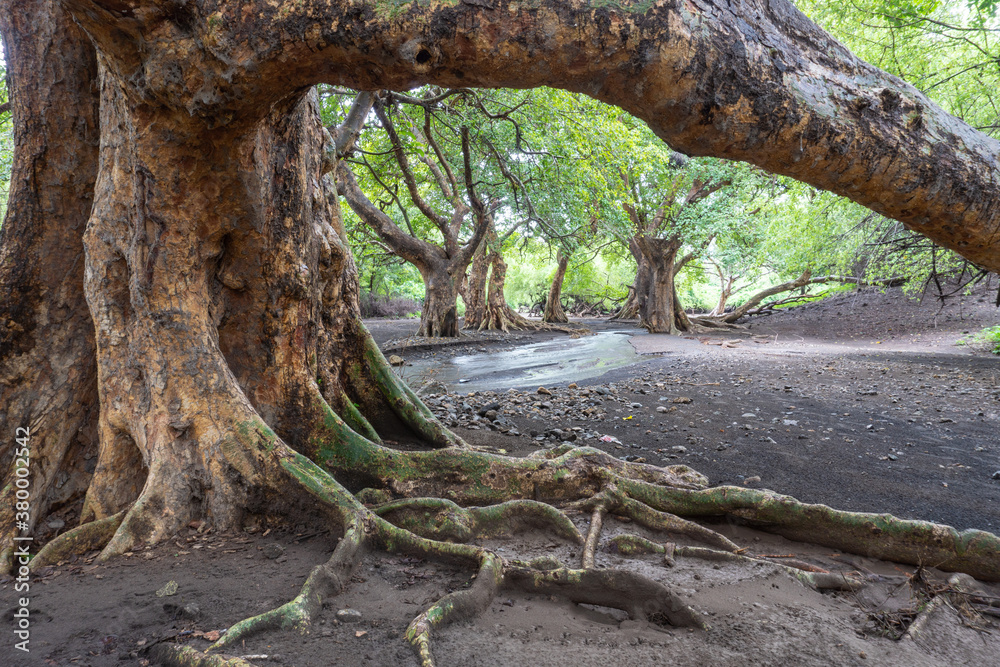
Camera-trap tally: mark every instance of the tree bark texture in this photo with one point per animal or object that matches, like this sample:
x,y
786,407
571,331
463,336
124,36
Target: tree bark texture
x,y
475,287
235,375
226,315
660,311
554,313
637,295
210,210
48,373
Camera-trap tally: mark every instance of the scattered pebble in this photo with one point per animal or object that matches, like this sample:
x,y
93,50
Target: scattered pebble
x,y
273,551
349,616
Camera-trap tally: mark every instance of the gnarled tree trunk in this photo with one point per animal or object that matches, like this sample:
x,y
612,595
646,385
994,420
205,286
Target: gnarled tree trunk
x,y
475,287
48,374
499,315
660,311
439,313
554,312
489,309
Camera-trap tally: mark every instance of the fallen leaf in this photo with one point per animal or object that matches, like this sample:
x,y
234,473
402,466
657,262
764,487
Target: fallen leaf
x,y
169,589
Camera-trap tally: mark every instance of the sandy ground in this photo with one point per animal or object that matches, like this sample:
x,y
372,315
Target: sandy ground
x,y
862,402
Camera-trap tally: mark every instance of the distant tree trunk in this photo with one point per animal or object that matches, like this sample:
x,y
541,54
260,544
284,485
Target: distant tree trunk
x,y
475,288
637,295
499,315
554,312
661,311
726,290
439,314
48,372
440,269
489,308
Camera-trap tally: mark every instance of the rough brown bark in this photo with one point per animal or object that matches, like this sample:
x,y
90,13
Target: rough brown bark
x,y
660,311
554,312
185,129
222,326
48,374
637,294
475,288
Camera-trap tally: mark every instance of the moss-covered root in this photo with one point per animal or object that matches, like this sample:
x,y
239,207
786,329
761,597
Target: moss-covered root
x,y
633,544
646,516
456,606
172,655
441,519
406,404
880,536
80,540
616,502
325,580
638,596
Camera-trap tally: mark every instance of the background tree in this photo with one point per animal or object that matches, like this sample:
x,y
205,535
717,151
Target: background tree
x,y
440,186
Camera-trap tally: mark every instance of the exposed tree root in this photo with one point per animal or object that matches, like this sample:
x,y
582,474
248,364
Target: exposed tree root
x,y
633,544
642,598
366,529
615,502
444,520
80,540
457,605
920,622
325,580
594,534
404,402
437,501
186,656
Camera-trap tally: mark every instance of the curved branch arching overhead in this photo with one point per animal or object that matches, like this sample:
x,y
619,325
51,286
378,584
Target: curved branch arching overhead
x,y
754,80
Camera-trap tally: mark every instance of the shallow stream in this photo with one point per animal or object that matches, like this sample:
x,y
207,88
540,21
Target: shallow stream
x,y
560,360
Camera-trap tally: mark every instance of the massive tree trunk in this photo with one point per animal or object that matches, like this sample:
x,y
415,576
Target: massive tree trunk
x,y
661,311
48,374
554,312
439,313
754,81
235,375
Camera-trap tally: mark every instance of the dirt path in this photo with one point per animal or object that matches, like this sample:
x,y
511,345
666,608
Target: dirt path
x,y
859,403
